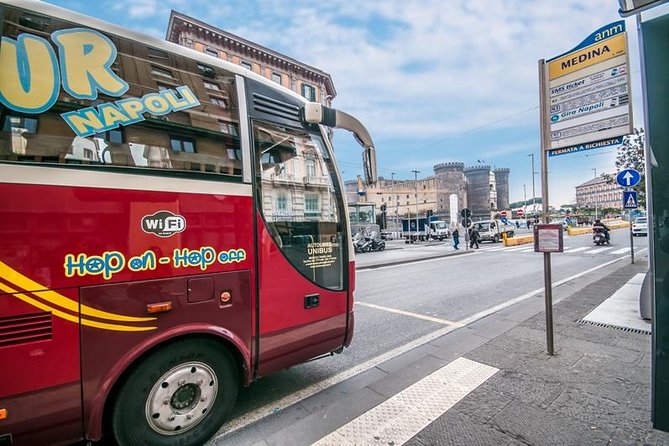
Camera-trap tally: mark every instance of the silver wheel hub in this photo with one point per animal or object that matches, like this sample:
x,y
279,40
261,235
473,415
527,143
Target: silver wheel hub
x,y
181,398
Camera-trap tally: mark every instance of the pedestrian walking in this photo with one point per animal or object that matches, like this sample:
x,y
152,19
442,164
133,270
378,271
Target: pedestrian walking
x,y
456,238
474,238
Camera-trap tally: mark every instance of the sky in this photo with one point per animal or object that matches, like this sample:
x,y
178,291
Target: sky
x,y
433,80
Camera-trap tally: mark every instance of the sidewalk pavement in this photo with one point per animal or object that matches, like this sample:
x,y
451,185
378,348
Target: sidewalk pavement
x,y
594,391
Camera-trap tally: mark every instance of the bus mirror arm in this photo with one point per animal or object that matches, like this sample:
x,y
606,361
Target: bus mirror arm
x,y
315,113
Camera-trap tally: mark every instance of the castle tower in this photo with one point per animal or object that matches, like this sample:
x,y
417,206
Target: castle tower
x,y
479,191
502,185
450,180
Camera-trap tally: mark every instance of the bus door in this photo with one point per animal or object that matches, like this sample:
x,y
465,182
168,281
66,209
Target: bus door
x,y
301,241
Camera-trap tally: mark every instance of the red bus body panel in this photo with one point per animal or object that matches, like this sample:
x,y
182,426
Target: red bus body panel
x,y
42,225
85,356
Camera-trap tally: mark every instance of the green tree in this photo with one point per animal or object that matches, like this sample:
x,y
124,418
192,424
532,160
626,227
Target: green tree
x,y
631,155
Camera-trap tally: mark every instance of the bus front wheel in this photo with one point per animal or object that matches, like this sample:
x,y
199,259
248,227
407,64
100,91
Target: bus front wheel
x,y
179,394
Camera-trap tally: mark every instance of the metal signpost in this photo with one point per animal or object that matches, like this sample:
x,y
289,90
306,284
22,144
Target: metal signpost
x,y
626,179
465,213
584,98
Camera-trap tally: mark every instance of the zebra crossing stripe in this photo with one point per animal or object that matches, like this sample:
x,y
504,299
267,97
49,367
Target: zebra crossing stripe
x,y
398,419
621,251
597,250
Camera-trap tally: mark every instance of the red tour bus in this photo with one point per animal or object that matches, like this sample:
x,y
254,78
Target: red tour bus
x,y
173,228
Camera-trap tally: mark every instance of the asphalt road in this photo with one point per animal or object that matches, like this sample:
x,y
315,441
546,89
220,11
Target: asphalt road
x,y
398,306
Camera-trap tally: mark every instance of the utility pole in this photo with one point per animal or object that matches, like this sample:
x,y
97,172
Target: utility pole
x,y
392,182
534,205
525,200
594,198
415,176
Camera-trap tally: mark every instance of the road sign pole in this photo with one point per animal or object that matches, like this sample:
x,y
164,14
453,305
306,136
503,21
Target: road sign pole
x,y
545,144
631,237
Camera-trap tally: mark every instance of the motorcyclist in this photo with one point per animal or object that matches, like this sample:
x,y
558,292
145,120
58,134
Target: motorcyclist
x,y
599,226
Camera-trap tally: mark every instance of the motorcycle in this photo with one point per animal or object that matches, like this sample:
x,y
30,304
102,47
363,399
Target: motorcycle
x,y
377,243
599,237
361,243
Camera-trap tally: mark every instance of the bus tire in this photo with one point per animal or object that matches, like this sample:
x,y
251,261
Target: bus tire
x,y
178,395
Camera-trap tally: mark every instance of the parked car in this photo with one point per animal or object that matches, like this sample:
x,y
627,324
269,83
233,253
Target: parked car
x,y
640,226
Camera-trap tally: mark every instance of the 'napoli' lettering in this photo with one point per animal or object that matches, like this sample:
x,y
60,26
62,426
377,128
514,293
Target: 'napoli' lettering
x,y
31,74
88,121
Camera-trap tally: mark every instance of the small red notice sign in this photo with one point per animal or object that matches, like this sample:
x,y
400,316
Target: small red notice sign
x,y
548,238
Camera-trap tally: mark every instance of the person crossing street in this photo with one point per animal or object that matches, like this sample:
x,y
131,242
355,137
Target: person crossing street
x,y
473,237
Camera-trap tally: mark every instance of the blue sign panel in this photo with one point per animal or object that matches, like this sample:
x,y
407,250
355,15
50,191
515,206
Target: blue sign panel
x,y
630,200
587,146
628,178
504,220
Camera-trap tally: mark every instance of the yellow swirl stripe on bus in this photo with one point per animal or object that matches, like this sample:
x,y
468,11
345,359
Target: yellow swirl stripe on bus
x,y
69,317
25,283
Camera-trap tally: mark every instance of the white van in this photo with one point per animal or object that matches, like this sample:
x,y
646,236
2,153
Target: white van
x,y
493,230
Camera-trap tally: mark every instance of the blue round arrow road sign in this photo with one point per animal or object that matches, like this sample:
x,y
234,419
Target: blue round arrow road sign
x,y
628,177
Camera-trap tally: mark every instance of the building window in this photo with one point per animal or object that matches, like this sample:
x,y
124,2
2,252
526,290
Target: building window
x,y
281,203
162,72
228,128
206,71
246,65
182,144
220,102
311,204
211,52
310,166
157,54
115,136
211,85
276,77
162,87
309,92
28,125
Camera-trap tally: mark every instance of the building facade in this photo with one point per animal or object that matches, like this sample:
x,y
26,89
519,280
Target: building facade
x,y
479,188
310,82
599,193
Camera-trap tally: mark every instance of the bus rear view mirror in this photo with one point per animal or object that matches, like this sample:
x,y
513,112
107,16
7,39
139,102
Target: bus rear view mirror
x,y
315,113
369,164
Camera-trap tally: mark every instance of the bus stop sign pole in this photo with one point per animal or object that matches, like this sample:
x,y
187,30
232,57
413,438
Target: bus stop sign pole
x,y
545,144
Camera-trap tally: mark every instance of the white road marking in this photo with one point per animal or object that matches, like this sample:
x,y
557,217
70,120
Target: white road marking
x,y
268,409
399,418
597,250
408,313
498,248
517,248
582,248
620,251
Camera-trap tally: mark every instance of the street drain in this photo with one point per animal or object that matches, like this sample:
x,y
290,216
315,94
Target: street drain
x,y
615,327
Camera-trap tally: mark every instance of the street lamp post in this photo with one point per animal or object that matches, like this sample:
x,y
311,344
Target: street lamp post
x,y
525,200
392,182
415,175
534,205
594,186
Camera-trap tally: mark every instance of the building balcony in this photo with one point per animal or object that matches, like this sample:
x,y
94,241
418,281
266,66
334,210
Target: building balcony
x,y
315,181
